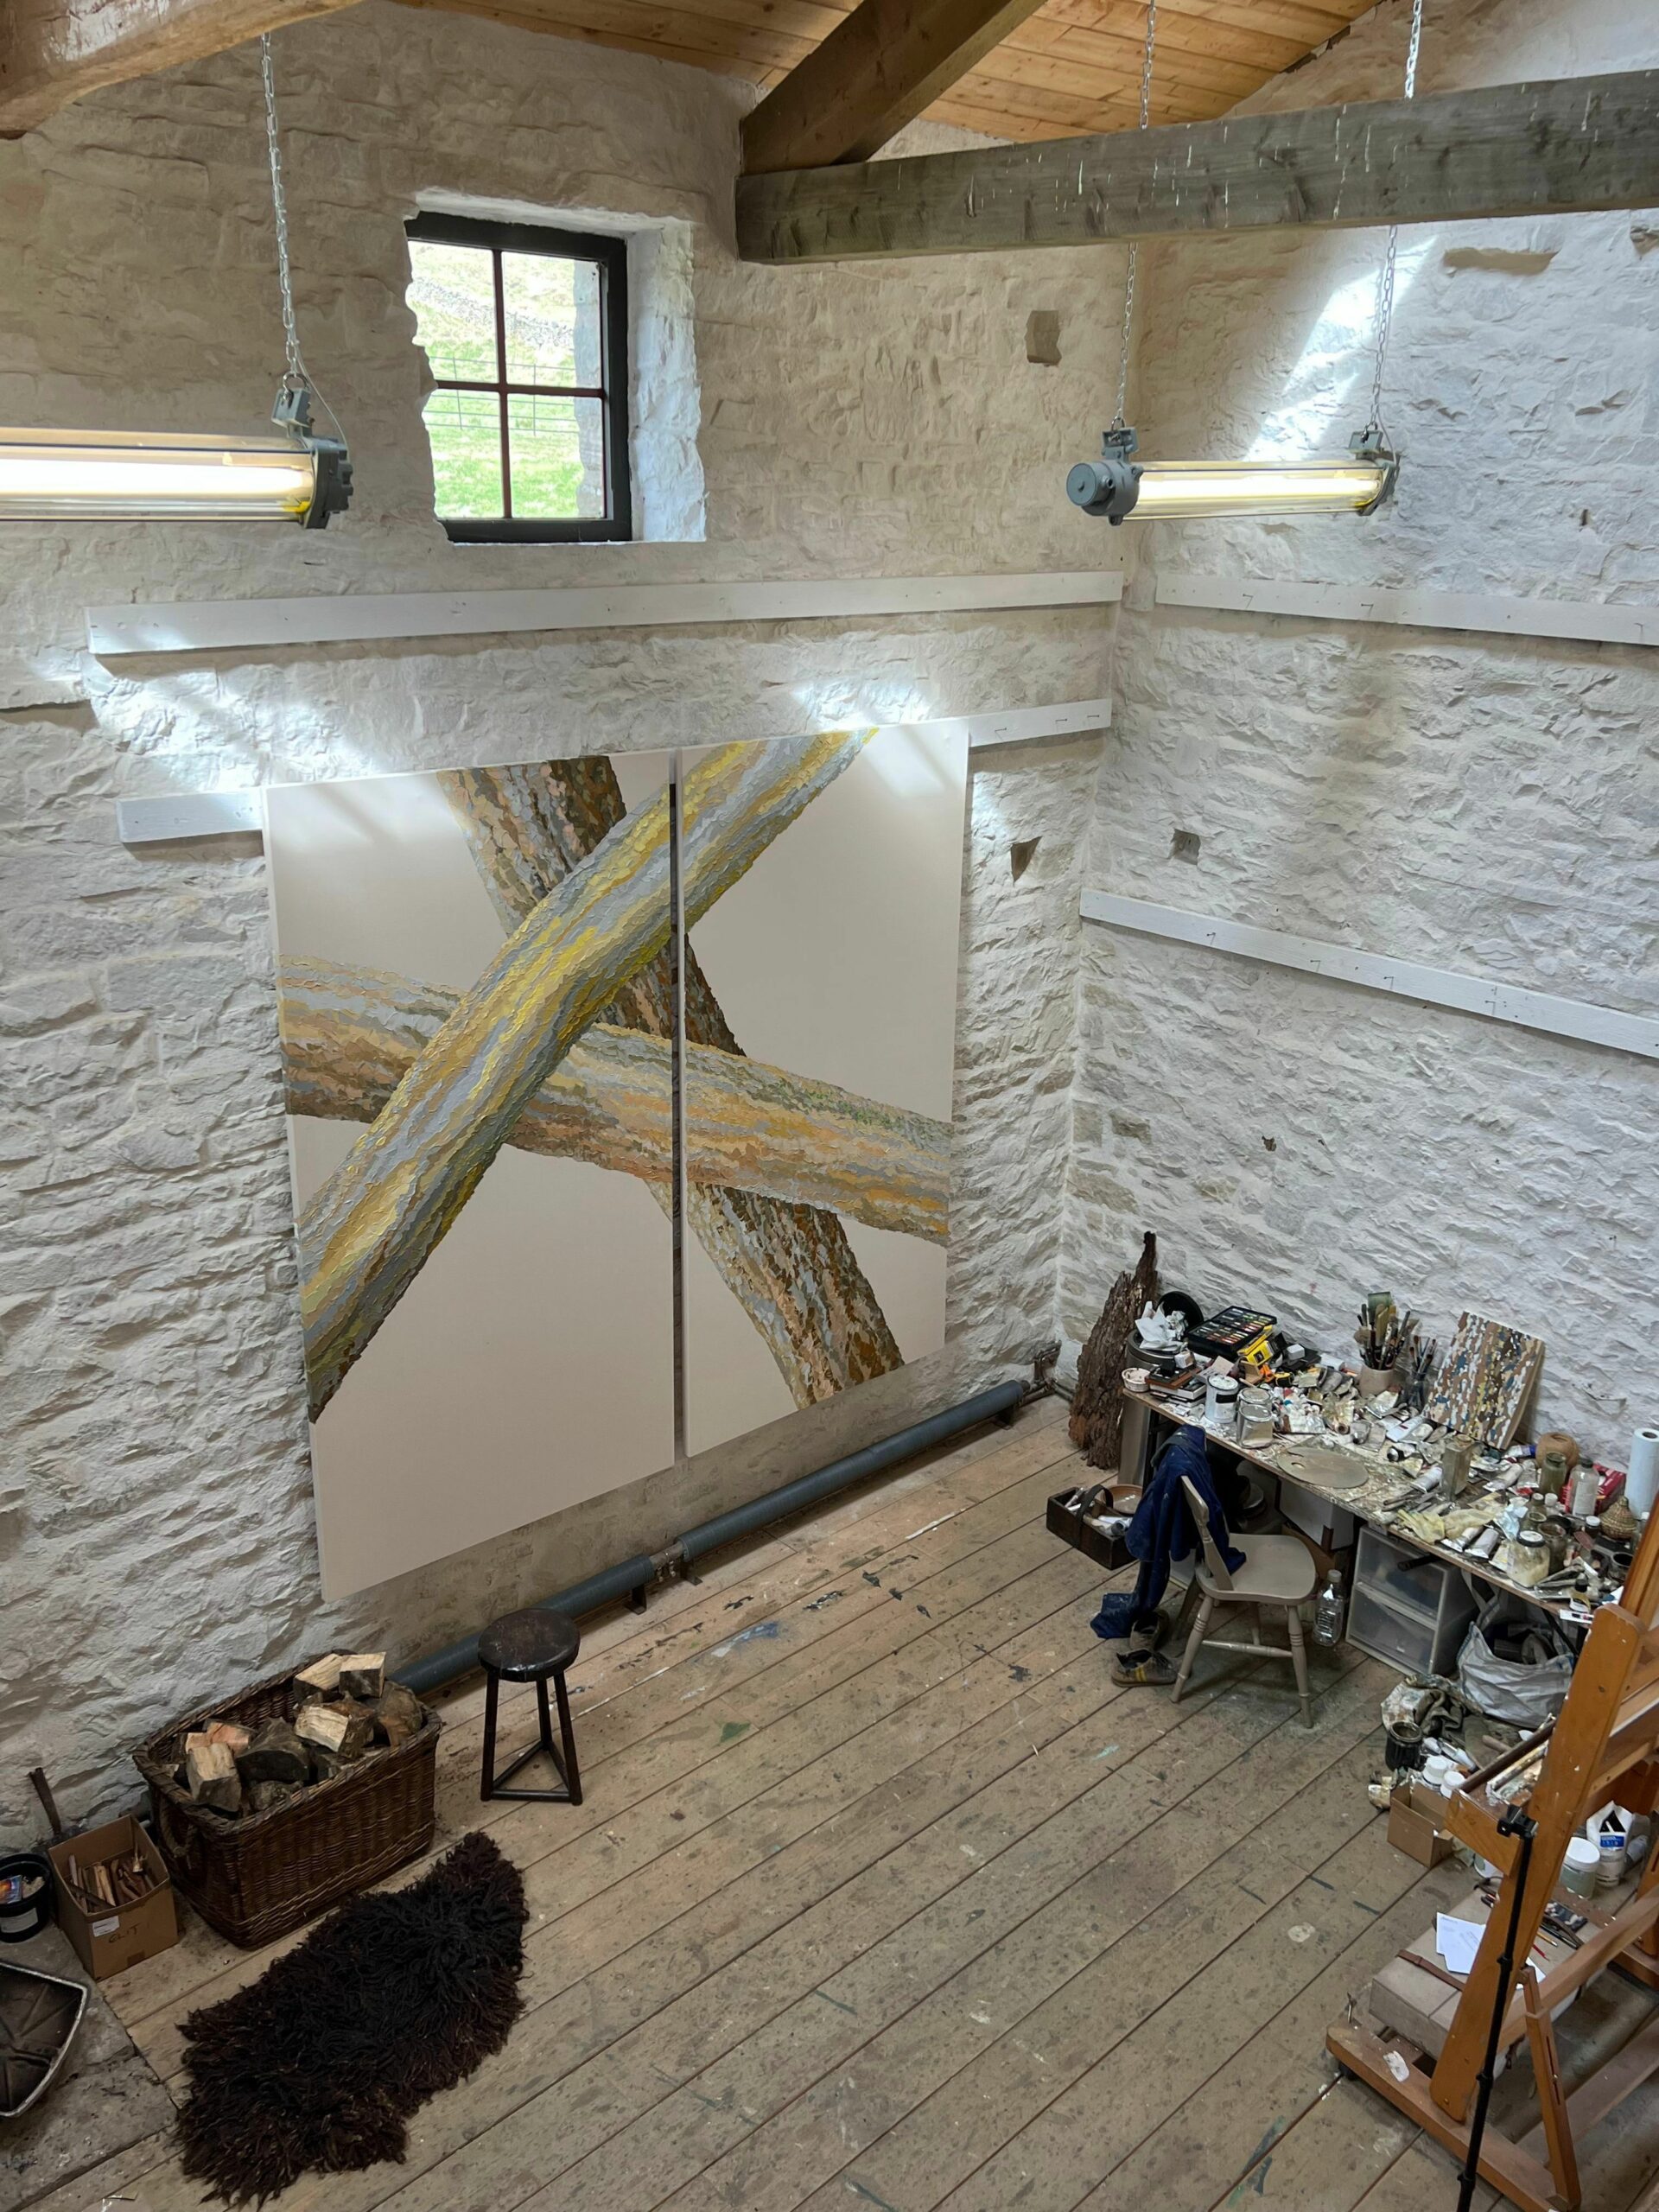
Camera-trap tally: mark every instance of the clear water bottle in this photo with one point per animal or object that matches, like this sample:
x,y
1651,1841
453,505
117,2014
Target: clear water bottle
x,y
1329,1609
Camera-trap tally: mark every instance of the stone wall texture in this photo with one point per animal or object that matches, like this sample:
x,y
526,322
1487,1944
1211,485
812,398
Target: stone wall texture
x,y
1477,803
156,1540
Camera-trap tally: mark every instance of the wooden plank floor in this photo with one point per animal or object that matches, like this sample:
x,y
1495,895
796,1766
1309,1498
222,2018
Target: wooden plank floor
x,y
884,1896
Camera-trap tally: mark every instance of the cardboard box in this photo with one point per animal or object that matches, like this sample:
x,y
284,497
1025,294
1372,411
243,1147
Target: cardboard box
x,y
109,1942
1414,1814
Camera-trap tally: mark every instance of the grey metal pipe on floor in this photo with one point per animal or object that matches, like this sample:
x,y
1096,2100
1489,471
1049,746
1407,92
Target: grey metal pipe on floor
x,y
635,1576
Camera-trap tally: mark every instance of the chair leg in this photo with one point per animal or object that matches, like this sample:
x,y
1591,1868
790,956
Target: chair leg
x,y
1298,1660
1200,1629
567,1735
492,1686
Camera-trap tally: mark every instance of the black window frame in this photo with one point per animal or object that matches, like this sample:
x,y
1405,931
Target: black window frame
x,y
610,255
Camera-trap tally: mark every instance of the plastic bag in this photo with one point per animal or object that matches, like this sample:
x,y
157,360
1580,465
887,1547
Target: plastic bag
x,y
1504,1689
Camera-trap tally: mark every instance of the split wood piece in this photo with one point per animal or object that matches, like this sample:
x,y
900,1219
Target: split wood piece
x,y
235,1737
350,1035
276,1754
210,1774
397,1714
1550,148
363,1674
338,1730
1097,1421
368,1229
320,1679
790,1266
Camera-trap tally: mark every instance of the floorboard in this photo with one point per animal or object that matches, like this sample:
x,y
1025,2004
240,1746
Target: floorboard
x,y
884,1894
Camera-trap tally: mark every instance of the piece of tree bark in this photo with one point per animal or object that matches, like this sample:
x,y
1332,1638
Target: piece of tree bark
x,y
1097,1421
789,1264
350,1035
368,1230
276,1754
210,1774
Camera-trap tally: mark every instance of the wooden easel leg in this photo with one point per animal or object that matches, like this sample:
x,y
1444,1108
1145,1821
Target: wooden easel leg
x,y
1552,2104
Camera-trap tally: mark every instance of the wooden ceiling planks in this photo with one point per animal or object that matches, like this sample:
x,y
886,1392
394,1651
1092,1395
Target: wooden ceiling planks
x,y
1073,67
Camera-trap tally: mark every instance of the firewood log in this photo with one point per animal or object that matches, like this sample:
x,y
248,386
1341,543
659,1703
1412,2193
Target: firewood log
x,y
263,1796
397,1714
342,1733
319,1679
211,1774
276,1754
363,1674
235,1737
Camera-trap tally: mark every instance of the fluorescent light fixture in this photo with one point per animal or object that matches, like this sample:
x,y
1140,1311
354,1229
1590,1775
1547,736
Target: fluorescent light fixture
x,y
1117,485
142,476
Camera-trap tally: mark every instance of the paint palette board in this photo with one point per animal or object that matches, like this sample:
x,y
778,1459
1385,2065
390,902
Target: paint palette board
x,y
1484,1382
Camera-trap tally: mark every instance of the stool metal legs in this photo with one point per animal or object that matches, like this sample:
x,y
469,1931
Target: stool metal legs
x,y
562,1754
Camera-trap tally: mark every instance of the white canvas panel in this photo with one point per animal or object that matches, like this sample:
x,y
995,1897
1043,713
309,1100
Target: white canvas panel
x,y
530,1364
835,958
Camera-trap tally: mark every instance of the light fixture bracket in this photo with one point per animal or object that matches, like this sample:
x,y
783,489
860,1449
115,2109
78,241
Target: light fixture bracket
x,y
1369,445
1111,486
291,411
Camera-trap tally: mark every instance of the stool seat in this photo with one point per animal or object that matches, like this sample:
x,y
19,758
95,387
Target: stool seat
x,y
529,1646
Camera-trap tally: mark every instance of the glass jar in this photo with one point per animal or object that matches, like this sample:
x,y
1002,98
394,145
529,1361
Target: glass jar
x,y
1526,1559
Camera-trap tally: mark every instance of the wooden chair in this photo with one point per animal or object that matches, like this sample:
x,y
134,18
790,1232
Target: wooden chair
x,y
1278,1575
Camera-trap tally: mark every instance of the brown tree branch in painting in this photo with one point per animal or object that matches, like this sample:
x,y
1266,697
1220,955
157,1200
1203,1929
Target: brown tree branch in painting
x,y
1096,1422
789,1265
351,1034
368,1229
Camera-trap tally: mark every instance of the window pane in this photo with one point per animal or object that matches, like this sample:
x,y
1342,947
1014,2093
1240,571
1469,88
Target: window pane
x,y
465,429
558,457
452,290
553,325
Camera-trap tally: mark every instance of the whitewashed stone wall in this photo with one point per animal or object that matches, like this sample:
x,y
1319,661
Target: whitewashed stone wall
x,y
1475,803
155,1529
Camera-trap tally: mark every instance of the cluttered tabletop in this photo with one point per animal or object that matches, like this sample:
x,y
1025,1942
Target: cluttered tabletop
x,y
1420,1446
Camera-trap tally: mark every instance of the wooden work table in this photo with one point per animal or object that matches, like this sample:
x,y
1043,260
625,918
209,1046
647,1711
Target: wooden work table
x,y
1370,1501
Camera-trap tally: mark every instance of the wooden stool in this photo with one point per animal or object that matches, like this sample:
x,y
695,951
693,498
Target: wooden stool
x,y
528,1647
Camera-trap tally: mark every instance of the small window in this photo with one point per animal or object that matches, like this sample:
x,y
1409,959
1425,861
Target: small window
x,y
526,331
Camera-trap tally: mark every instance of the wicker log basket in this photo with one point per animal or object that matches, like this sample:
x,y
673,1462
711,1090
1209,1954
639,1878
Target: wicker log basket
x,y
257,1876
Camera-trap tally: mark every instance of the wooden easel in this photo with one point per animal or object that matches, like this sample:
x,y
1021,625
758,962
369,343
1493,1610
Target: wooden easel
x,y
1605,1744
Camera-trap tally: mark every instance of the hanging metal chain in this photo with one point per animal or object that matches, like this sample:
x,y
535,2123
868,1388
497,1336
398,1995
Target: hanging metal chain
x,y
1128,281
295,374
1385,282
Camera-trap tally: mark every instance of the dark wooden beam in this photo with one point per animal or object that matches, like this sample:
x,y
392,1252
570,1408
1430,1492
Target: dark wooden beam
x,y
55,51
1446,157
877,70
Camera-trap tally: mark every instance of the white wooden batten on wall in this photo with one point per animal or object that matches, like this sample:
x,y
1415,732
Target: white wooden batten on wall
x,y
1376,971
1589,621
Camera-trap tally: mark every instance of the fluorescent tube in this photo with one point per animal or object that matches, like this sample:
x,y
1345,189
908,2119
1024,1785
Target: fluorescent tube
x,y
139,476
1118,486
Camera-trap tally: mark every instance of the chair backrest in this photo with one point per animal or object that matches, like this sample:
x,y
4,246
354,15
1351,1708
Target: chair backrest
x,y
1214,1565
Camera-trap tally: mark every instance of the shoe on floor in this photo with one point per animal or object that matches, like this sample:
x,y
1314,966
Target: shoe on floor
x,y
1142,1668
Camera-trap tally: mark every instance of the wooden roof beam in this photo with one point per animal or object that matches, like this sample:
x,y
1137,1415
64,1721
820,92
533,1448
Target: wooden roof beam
x,y
877,70
1546,148
52,52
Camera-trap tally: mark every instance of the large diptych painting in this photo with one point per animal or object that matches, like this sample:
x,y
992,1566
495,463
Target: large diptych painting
x,y
478,1009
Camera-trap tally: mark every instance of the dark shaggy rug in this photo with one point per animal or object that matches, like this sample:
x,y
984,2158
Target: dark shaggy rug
x,y
320,2063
